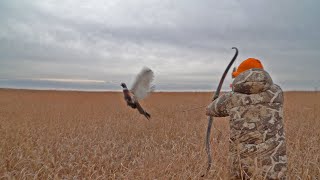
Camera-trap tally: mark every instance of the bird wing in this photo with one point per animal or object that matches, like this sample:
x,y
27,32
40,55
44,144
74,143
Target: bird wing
x,y
142,84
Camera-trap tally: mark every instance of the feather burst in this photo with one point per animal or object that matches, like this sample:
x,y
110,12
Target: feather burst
x,y
142,84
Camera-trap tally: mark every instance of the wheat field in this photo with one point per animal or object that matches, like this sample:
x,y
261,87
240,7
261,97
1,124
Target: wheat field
x,y
94,135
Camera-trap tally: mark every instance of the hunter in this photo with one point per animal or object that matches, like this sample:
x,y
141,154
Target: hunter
x,y
257,138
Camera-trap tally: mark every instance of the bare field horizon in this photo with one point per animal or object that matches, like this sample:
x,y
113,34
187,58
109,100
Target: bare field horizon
x,y
49,134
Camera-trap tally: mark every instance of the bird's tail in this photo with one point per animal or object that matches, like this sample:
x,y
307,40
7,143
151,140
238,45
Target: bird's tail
x,y
147,115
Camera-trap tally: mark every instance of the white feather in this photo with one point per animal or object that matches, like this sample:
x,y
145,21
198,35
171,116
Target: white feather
x,y
142,84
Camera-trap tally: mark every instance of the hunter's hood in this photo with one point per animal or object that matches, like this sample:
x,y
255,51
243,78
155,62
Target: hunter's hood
x,y
252,81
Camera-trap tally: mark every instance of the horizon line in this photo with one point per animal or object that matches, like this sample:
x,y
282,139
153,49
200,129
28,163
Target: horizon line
x,y
156,91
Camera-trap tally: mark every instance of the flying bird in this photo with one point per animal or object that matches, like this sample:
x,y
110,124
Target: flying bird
x,y
140,89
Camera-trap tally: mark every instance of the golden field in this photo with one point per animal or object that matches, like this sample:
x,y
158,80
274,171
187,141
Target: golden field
x,y
94,135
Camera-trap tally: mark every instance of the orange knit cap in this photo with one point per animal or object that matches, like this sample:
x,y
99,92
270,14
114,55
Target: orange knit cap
x,y
246,65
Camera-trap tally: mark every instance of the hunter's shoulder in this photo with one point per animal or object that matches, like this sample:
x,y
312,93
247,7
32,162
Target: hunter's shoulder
x,y
276,87
276,94
224,97
273,94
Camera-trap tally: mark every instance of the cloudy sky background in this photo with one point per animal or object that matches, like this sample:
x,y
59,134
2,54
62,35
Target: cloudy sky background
x,y
94,45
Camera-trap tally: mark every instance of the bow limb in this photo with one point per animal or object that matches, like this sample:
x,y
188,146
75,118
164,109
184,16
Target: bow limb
x,y
210,118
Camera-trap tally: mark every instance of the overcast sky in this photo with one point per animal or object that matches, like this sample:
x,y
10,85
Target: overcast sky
x,y
187,43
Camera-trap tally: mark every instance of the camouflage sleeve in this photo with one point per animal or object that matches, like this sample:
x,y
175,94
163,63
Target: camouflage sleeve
x,y
221,106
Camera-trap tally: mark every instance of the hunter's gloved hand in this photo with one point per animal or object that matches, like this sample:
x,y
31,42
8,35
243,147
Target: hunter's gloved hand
x,y
210,108
220,107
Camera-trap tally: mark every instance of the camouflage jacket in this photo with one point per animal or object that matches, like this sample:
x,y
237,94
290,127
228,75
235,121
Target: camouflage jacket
x,y
257,137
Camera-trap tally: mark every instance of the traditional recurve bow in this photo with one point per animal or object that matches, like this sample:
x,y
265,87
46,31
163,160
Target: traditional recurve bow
x,y
210,118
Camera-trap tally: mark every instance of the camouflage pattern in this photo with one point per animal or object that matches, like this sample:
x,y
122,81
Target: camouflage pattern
x,y
257,137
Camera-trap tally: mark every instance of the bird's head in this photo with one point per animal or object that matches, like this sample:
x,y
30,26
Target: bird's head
x,y
123,85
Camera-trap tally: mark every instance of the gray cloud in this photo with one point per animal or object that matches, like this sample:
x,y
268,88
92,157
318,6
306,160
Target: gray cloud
x,y
187,43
